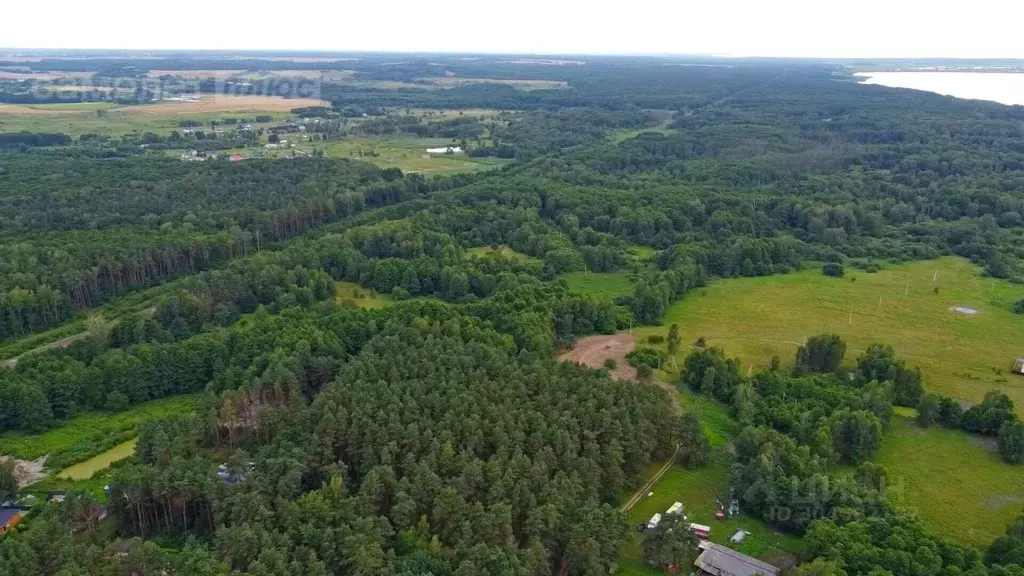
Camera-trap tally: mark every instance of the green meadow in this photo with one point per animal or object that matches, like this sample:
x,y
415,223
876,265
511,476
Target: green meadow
x,y
91,433
908,306
956,482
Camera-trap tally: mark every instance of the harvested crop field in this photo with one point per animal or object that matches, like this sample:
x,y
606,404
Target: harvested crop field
x,y
204,74
219,103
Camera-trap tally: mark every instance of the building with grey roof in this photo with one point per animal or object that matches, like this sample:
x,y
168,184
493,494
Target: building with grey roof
x,y
718,560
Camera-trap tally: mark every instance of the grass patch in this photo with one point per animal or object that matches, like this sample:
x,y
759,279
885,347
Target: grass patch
x,y
359,296
88,434
698,490
603,285
403,152
14,348
86,469
958,486
503,251
960,355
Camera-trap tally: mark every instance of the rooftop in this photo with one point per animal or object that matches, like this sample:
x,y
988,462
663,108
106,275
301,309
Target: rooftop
x,y
6,514
718,560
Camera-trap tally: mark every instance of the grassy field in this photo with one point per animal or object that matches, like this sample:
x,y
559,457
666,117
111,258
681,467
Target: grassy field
x,y
698,490
604,285
76,119
406,153
954,481
960,355
503,250
90,428
86,469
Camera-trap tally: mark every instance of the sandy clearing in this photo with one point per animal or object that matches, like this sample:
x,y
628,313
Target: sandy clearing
x,y
592,351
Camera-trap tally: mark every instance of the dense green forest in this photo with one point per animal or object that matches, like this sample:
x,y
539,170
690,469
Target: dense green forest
x,y
437,435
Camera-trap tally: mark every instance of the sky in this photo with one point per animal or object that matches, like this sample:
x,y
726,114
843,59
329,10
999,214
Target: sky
x,y
786,28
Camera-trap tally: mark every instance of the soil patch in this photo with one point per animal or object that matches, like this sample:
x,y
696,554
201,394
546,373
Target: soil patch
x,y
592,351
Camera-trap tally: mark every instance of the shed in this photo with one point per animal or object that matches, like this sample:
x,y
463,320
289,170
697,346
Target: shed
x,y
675,508
9,517
1018,366
717,560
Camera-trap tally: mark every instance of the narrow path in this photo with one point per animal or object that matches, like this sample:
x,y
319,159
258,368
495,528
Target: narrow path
x,y
650,484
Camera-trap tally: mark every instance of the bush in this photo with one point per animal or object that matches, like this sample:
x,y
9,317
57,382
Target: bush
x,y
655,339
646,356
610,363
644,372
1018,307
833,269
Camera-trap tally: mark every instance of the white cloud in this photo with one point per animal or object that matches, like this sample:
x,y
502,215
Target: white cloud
x,y
822,28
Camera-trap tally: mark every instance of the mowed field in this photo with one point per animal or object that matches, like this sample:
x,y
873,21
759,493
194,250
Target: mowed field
x,y
960,355
76,119
406,153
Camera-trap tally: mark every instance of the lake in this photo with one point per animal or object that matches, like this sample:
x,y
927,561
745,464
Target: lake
x,y
1005,88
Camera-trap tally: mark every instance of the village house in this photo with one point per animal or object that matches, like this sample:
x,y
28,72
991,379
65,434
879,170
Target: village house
x,y
717,560
8,518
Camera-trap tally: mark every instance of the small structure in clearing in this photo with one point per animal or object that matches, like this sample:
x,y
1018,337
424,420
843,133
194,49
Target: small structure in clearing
x,y
964,310
1018,366
445,150
716,560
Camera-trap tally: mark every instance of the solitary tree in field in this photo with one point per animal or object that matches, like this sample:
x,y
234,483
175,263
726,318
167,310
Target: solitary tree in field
x,y
927,410
673,340
822,353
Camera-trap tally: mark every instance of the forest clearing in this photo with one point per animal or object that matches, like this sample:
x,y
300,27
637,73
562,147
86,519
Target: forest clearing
x,y
963,356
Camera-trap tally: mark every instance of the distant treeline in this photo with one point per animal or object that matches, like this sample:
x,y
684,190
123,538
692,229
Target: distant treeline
x,y
15,139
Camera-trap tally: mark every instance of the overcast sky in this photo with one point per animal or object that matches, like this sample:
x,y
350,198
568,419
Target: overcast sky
x,y
811,28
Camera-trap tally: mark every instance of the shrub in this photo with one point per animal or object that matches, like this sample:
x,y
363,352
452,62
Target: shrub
x,y
610,363
1018,307
646,356
833,269
644,372
655,339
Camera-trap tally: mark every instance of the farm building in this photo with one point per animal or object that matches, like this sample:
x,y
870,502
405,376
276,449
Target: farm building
x,y
1018,366
717,560
8,517
676,508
